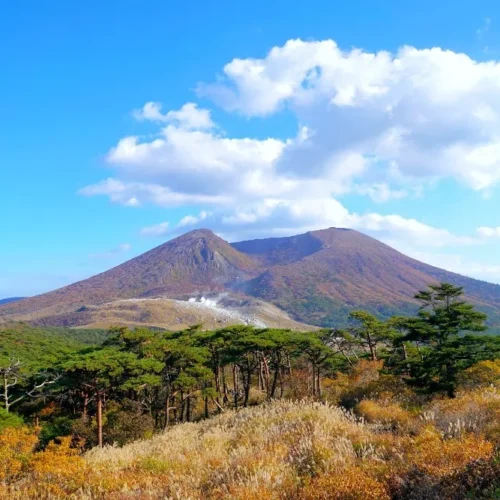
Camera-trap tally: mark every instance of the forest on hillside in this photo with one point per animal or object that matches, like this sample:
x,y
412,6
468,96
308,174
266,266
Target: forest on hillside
x,y
401,408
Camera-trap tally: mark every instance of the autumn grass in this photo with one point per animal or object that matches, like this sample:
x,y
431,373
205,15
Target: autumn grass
x,y
281,450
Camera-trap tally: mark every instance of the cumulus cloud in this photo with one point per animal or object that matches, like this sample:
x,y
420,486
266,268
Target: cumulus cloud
x,y
190,220
163,228
376,124
422,113
279,217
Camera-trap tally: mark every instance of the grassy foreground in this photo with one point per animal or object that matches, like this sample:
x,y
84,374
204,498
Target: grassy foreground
x,y
280,450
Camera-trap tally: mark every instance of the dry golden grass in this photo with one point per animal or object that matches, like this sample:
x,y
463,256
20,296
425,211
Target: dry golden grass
x,y
282,450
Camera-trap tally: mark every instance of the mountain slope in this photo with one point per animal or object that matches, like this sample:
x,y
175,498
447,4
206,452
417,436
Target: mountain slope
x,y
8,300
195,262
175,315
317,278
345,270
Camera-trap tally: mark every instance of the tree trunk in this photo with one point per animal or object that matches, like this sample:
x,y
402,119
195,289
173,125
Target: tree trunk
x,y
99,418
275,381
373,348
235,386
183,406
225,398
6,393
85,407
266,378
247,383
167,411
188,408
261,376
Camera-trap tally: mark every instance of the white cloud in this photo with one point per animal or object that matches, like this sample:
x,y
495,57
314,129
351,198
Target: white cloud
x,y
280,217
163,228
388,227
381,192
134,194
189,117
489,232
422,113
190,220
156,230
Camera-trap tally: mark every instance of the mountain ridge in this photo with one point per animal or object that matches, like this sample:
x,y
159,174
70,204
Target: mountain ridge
x,y
317,277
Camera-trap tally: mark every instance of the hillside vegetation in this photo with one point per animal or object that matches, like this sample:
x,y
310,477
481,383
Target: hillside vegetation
x,y
41,347
405,408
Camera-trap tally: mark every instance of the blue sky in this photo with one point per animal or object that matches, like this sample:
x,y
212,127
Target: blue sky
x,y
264,118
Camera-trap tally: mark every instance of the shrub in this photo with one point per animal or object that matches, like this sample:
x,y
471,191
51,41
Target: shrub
x,y
475,411
9,420
438,456
349,484
368,382
127,423
57,427
483,374
388,414
16,448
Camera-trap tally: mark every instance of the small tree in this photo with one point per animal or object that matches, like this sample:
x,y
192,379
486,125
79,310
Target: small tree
x,y
438,330
369,333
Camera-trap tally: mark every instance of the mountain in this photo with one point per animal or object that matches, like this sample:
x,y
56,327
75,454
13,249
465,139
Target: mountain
x,y
10,299
319,277
316,278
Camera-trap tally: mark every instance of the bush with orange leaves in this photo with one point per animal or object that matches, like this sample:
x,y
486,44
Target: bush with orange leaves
x,y
483,374
438,456
388,414
16,449
367,381
59,469
352,483
476,411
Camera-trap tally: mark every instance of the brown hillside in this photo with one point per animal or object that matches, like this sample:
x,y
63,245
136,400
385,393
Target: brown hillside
x,y
198,261
323,275
317,277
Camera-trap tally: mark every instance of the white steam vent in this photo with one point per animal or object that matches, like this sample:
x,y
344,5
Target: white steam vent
x,y
204,301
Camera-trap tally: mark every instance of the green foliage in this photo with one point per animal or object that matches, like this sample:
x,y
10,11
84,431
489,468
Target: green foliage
x,y
437,332
9,420
369,333
54,428
39,348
